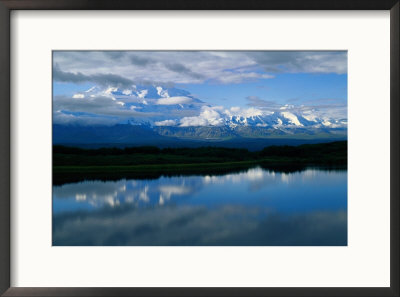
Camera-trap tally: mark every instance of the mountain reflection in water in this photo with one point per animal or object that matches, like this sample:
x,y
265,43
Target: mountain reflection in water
x,y
254,207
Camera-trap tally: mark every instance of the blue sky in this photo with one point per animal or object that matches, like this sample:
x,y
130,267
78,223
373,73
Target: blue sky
x,y
107,85
285,88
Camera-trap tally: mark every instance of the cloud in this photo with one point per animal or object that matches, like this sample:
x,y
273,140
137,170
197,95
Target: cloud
x,y
101,79
229,77
181,69
78,96
302,61
127,92
69,110
108,71
169,67
208,117
140,61
166,123
244,112
174,100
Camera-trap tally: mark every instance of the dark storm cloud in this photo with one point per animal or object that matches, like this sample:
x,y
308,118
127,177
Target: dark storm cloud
x,y
181,69
101,79
140,61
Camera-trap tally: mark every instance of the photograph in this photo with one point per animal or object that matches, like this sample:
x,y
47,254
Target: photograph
x,y
199,148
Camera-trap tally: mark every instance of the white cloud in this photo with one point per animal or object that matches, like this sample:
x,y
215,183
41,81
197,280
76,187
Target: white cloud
x,y
208,117
165,123
142,93
109,90
244,112
235,109
78,96
174,100
127,92
193,121
235,78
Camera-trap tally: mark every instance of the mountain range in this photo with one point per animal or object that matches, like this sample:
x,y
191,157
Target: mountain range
x,y
170,103
176,115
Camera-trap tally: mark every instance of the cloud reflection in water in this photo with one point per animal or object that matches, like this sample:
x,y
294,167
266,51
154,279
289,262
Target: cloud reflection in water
x,y
255,207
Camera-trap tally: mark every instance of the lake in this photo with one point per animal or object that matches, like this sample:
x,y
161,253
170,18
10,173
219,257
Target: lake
x,y
255,207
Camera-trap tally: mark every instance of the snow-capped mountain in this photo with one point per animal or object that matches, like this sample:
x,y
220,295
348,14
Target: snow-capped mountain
x,y
178,108
284,119
172,112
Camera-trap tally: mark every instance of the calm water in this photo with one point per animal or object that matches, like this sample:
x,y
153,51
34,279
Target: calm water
x,y
254,207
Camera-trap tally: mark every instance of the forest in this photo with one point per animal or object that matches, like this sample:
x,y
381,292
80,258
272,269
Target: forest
x,y
73,164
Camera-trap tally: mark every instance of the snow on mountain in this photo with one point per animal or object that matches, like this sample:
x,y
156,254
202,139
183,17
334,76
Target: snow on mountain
x,y
172,107
162,93
292,118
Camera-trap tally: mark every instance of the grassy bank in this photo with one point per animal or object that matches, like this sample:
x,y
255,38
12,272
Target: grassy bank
x,y
328,153
73,164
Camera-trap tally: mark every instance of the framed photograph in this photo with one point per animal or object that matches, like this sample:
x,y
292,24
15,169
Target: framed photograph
x,y
221,148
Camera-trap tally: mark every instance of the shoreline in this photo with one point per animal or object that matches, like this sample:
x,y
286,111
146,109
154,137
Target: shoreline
x,y
70,174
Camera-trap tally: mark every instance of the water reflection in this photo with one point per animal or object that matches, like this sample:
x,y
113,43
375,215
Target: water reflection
x,y
140,193
254,207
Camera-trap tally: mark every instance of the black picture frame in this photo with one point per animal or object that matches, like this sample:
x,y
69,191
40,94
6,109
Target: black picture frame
x,y
6,6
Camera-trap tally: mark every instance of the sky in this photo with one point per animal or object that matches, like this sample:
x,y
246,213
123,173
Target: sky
x,y
109,87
